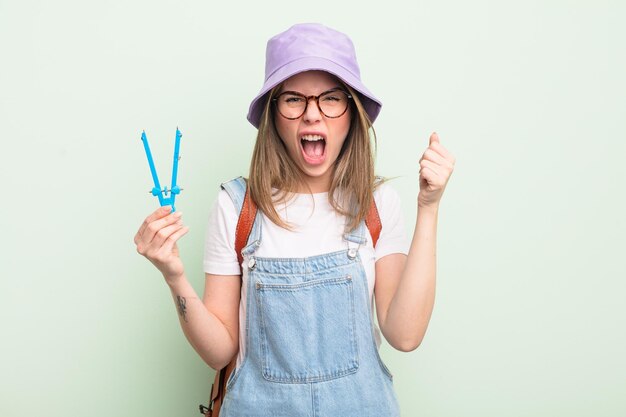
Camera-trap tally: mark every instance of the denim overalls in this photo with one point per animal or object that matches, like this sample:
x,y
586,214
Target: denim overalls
x,y
310,349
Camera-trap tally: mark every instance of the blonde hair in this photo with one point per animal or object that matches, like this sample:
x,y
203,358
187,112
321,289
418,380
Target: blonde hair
x,y
353,180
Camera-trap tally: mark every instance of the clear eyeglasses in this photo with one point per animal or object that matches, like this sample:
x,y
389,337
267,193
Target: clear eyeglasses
x,y
332,103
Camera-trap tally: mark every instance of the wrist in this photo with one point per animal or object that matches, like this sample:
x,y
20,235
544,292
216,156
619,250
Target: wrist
x,y
174,281
429,208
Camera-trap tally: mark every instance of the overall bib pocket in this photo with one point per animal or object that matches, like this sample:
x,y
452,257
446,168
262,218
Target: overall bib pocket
x,y
308,329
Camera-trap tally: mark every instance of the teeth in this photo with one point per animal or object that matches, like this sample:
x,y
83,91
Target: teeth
x,y
312,138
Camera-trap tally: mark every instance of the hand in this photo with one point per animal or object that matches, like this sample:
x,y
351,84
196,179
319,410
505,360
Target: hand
x,y
156,240
436,166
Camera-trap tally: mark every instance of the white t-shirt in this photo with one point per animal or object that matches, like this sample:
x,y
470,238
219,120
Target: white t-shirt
x,y
319,230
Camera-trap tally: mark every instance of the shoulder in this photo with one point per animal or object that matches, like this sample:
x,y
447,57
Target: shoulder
x,y
385,195
227,203
393,234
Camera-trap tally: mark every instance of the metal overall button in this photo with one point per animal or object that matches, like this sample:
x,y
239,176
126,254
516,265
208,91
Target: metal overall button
x,y
251,263
351,253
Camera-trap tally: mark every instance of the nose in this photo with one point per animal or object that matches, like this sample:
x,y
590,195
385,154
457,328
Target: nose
x,y
312,112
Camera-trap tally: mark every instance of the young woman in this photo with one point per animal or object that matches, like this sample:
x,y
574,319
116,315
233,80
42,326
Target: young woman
x,y
297,308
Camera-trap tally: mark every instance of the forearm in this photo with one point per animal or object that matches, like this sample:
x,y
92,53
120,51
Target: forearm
x,y
412,304
203,329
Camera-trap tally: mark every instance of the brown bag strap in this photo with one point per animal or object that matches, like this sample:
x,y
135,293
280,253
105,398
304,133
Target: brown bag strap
x,y
244,224
372,220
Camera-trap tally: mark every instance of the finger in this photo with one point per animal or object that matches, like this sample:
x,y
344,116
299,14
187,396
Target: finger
x,y
163,234
432,166
156,214
434,138
439,148
168,245
156,226
434,142
431,155
429,175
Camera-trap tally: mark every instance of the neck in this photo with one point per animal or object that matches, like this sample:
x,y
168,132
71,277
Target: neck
x,y
315,185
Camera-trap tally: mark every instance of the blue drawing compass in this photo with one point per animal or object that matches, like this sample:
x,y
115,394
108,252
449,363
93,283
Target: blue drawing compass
x,y
157,191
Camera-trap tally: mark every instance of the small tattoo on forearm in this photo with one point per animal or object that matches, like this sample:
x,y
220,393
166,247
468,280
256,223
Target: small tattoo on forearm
x,y
182,307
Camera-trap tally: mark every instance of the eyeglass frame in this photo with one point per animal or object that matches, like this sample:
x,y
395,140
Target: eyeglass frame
x,y
317,101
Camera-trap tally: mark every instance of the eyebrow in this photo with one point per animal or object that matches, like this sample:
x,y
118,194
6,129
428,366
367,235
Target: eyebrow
x,y
337,88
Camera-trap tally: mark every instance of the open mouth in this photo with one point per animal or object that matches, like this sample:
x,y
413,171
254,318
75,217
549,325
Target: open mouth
x,y
313,148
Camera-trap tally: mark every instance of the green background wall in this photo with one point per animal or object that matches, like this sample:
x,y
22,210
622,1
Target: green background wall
x,y
529,96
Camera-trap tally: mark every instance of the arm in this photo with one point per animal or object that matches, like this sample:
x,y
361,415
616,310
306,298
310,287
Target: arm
x,y
211,325
405,285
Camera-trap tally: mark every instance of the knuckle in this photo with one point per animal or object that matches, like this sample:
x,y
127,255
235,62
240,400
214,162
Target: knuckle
x,y
153,257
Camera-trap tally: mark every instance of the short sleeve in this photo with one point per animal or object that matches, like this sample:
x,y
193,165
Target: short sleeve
x,y
393,236
219,243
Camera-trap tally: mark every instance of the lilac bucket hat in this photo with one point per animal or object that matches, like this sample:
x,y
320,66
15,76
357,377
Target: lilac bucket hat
x,y
311,46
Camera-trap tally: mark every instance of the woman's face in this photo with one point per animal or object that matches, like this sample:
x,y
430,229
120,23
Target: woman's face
x,y
313,141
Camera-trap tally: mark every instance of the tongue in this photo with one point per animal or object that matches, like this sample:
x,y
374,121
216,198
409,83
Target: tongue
x,y
313,149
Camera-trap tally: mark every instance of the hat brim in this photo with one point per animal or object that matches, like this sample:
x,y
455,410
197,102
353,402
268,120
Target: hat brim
x,y
370,103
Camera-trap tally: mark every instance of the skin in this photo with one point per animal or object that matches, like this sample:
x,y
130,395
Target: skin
x,y
405,285
335,129
404,291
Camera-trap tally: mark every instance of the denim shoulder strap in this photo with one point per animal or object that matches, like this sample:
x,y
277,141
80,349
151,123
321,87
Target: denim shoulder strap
x,y
236,189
